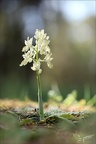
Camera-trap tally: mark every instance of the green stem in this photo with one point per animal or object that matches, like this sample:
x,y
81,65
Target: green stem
x,y
40,102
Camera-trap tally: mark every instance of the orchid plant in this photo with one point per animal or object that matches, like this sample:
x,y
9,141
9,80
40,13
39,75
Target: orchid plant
x,y
32,53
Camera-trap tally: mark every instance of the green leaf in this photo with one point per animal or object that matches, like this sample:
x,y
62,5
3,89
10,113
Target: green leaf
x,y
68,116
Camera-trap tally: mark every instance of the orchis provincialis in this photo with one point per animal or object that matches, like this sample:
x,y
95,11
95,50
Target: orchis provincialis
x,y
32,55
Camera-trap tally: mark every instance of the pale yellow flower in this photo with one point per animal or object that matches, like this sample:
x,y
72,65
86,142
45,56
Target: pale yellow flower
x,y
41,48
36,66
39,34
28,44
27,58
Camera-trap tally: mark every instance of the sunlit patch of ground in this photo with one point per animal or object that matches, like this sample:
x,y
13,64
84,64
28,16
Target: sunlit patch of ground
x,y
78,106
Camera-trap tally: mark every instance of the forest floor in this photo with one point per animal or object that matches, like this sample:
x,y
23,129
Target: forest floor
x,y
63,124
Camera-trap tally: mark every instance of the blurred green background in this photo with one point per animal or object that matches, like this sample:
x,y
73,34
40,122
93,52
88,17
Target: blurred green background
x,y
71,26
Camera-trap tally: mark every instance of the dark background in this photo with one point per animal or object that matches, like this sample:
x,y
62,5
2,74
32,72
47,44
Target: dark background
x,y
73,44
